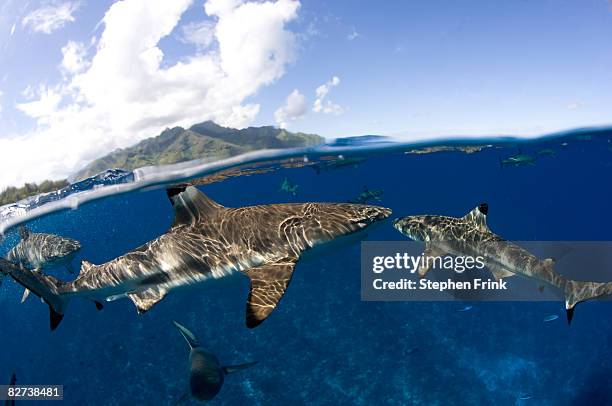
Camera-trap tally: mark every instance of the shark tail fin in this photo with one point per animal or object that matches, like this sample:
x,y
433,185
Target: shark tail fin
x,y
191,339
228,369
44,286
577,291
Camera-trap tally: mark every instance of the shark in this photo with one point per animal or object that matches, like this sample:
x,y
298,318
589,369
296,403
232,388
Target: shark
x,y
519,159
207,242
39,251
206,374
287,186
368,194
470,235
334,164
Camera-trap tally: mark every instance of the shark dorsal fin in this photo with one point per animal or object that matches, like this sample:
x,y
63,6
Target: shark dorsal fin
x,y
190,205
478,216
24,233
187,335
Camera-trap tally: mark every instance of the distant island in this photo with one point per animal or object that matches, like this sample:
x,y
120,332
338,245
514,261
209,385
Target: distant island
x,y
204,140
13,194
173,145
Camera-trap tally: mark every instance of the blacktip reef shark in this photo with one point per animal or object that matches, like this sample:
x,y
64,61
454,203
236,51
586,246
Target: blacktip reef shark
x,y
470,235
206,374
287,186
38,251
519,159
208,241
367,195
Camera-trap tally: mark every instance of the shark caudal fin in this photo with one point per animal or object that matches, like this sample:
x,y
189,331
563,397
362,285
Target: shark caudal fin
x,y
577,291
191,339
43,286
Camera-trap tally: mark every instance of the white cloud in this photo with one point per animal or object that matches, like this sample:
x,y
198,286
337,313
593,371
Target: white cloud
x,y
51,17
125,93
44,106
13,30
201,34
320,105
353,34
294,108
73,60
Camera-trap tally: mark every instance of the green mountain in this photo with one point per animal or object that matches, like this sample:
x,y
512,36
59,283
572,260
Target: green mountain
x,y
204,140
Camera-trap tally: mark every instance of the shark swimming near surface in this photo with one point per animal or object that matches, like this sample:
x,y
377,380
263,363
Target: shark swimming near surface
x,y
287,186
38,251
208,241
519,159
206,374
368,194
470,235
333,164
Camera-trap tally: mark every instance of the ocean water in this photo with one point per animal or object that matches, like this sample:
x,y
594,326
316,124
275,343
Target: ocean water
x,y
323,345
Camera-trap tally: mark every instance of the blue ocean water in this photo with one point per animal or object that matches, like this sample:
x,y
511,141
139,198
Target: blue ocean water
x,y
323,345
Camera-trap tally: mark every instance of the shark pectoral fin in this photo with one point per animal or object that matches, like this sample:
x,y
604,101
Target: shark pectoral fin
x,y
233,368
430,251
146,299
26,291
268,284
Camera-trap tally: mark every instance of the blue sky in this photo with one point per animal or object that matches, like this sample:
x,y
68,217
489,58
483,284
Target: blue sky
x,y
81,78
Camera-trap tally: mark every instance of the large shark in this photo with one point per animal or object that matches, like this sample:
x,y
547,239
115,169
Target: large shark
x,y
205,242
206,374
38,251
470,235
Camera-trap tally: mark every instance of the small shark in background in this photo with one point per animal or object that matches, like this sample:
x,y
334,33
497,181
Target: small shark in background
x,y
206,375
470,235
333,164
13,382
519,159
38,251
547,152
208,242
287,186
367,195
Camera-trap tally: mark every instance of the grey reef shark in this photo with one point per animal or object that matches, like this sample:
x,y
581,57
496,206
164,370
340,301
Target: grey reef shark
x,y
206,374
205,242
38,251
470,235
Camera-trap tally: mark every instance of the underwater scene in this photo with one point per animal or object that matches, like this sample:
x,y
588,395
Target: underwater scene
x,y
322,344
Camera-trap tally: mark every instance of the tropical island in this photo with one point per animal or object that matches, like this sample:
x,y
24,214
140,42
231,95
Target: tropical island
x,y
174,145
